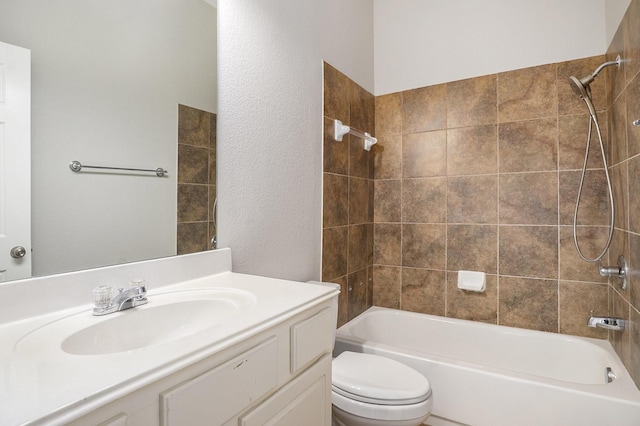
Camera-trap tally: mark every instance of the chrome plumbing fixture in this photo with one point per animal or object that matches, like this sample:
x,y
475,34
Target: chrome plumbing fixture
x,y
609,375
107,303
582,87
609,323
621,271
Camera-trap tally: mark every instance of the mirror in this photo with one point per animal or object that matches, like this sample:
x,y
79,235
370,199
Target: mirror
x,y
107,79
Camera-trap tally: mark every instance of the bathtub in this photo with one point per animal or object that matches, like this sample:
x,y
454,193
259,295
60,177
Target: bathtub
x,y
491,375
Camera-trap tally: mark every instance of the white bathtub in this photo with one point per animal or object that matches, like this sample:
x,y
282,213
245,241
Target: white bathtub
x,y
490,375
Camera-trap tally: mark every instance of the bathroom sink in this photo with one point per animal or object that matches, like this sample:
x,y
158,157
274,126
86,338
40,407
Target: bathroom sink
x,y
166,318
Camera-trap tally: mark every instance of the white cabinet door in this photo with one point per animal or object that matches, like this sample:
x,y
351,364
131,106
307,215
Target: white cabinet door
x,y
306,400
15,161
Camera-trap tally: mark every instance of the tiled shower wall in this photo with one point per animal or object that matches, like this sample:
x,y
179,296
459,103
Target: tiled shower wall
x,y
347,234
623,154
196,179
482,174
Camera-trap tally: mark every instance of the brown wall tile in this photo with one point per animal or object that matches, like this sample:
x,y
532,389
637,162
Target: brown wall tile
x,y
357,293
618,132
424,154
620,341
529,198
423,291
358,158
528,146
529,251
388,201
193,164
336,154
472,248
424,109
335,243
529,303
193,202
633,263
634,194
572,136
388,244
389,114
387,286
335,203
193,126
527,93
358,243
192,237
619,182
594,199
358,200
472,150
387,157
337,97
470,305
349,193
472,199
616,80
423,246
472,102
577,300
591,241
424,200
634,345
632,103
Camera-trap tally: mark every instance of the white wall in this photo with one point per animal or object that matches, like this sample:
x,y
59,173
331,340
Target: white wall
x,y
270,85
270,124
106,81
420,43
613,13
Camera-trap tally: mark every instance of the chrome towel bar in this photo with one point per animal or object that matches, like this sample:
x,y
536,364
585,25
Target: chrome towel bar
x,y
76,166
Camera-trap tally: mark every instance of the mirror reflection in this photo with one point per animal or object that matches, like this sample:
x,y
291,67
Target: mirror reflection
x,y
110,84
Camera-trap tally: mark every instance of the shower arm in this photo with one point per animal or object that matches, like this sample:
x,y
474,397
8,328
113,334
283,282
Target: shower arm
x,y
616,62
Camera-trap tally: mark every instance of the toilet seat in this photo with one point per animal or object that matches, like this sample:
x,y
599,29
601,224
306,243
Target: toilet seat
x,y
375,387
377,380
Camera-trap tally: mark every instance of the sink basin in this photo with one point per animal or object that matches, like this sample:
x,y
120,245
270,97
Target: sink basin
x,y
166,318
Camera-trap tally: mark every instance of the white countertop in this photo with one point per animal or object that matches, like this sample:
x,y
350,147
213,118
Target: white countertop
x,y
34,385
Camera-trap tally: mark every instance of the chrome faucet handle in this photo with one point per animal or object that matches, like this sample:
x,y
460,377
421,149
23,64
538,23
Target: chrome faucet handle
x,y
102,296
138,283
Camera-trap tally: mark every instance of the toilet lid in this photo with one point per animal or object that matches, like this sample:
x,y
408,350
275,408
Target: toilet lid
x,y
376,379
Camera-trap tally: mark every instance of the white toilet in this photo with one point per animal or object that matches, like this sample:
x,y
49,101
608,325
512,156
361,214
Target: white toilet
x,y
371,390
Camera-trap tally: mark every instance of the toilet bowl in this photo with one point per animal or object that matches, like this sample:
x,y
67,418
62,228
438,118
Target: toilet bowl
x,y
371,390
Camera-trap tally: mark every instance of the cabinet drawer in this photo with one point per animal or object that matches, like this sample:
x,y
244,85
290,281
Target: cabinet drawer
x,y
215,396
311,338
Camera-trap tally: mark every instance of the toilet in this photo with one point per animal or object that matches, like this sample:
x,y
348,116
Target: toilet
x,y
371,390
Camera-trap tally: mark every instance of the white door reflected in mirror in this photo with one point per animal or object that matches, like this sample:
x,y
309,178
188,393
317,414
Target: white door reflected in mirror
x,y
15,174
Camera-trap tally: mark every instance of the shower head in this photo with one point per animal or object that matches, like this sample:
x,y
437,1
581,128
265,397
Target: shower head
x,y
582,86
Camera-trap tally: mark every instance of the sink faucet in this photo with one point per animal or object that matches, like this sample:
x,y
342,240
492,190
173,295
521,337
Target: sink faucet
x,y
107,303
609,323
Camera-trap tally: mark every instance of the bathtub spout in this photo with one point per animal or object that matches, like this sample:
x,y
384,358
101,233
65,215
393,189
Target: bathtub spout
x,y
609,323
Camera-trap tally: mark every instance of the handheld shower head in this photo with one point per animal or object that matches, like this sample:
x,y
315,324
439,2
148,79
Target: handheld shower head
x,y
582,87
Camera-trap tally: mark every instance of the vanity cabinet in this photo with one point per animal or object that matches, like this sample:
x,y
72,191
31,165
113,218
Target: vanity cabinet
x,y
281,376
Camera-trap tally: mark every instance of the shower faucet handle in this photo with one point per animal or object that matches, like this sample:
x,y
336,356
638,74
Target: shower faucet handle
x,y
621,271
